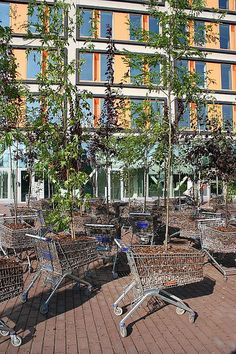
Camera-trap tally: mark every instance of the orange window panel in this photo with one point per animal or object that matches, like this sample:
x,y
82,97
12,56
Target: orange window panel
x,y
121,70
213,35
21,61
234,117
96,24
191,65
191,33
234,77
212,4
121,26
232,5
233,37
193,115
214,76
145,23
19,17
96,112
96,67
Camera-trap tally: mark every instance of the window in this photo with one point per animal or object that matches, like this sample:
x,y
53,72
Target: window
x,y
34,20
184,121
153,25
32,110
136,108
227,115
33,64
4,14
199,33
202,116
3,185
86,68
87,109
135,24
54,114
103,112
136,75
86,25
223,4
157,110
182,69
105,23
56,17
103,67
226,76
224,36
4,160
154,72
200,69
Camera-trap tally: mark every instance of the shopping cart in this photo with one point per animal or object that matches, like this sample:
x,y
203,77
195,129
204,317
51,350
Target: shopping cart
x,y
59,260
214,241
105,235
142,226
14,241
152,271
11,283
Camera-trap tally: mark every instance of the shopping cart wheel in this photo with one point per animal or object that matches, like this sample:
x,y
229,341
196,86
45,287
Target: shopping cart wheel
x,y
88,290
192,317
43,309
179,311
118,311
16,340
123,332
114,275
4,333
24,297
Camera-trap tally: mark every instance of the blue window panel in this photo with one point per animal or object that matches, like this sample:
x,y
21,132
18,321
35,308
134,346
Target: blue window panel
x,y
32,110
136,106
227,115
87,113
184,121
223,4
56,20
4,14
86,68
153,25
4,159
155,73
34,20
103,114
157,110
33,64
105,23
182,69
135,24
202,117
200,69
224,37
86,25
226,76
103,67
135,75
199,33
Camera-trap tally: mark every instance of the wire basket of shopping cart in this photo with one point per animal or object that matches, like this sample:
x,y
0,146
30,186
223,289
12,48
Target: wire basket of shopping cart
x,y
11,284
153,269
60,257
142,226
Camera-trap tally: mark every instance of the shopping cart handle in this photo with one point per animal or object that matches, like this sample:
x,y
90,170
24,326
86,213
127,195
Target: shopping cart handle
x,y
121,245
38,237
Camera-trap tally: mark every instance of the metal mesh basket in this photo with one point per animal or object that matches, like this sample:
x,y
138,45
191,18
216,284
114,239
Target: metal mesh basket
x,y
60,256
11,279
218,241
153,267
15,238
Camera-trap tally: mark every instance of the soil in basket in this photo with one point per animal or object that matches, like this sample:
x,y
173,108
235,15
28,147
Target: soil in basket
x,y
65,238
7,261
17,226
225,229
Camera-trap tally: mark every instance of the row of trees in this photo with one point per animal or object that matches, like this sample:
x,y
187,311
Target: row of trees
x,y
56,147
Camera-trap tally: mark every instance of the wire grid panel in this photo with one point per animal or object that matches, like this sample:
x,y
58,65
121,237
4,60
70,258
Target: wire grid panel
x,y
11,279
218,241
16,238
153,268
57,256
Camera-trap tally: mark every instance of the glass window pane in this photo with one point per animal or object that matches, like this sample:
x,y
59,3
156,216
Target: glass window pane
x,y
86,106
3,185
135,75
56,19
136,106
202,117
184,121
227,115
135,24
4,160
182,69
105,23
86,68
153,25
34,20
86,25
4,14
32,110
223,4
157,110
226,76
200,70
224,37
103,67
199,33
33,64
154,73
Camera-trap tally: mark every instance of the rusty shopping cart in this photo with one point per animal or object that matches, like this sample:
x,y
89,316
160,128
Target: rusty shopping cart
x,y
153,270
59,260
11,284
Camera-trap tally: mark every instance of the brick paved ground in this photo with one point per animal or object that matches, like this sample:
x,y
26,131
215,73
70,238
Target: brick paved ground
x,y
77,323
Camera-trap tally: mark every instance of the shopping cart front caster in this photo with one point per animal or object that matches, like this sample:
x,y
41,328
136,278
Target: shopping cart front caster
x,y
192,317
114,275
4,333
24,297
43,309
16,341
88,290
118,311
123,331
179,311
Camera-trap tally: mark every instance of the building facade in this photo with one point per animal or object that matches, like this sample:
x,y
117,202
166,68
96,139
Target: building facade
x,y
220,62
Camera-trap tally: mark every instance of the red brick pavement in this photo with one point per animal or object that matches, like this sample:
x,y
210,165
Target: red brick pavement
x,y
77,323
